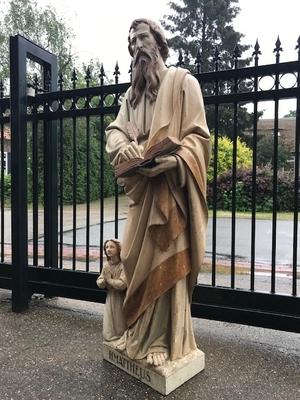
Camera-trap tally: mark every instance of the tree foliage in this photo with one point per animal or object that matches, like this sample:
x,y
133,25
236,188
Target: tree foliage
x,y
46,28
41,25
203,25
265,151
291,114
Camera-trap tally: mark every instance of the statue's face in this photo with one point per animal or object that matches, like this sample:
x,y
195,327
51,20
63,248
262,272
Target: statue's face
x,y
111,249
141,38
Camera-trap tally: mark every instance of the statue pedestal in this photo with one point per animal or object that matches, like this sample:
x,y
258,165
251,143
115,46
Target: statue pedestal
x,y
163,379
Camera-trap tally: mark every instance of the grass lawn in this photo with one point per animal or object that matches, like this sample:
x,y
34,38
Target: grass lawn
x,y
259,215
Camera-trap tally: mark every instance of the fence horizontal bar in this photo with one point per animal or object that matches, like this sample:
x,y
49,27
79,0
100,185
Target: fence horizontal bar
x,y
71,292
222,304
6,276
288,323
220,99
66,283
250,72
81,92
245,299
203,294
75,113
5,282
246,97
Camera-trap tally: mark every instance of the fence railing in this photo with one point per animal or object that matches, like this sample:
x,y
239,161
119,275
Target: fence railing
x,y
60,161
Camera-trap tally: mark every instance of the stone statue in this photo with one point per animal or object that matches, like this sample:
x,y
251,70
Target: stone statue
x,y
164,239
113,278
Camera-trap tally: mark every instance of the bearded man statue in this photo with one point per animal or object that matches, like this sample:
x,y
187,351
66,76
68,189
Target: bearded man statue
x,y
164,238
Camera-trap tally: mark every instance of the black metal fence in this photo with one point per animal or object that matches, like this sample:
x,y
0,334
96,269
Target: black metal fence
x,y
60,175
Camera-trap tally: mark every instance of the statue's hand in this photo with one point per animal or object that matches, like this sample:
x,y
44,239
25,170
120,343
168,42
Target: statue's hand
x,y
108,280
107,275
132,150
164,163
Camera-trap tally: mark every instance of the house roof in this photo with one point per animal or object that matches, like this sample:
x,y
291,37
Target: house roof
x,y
286,129
284,124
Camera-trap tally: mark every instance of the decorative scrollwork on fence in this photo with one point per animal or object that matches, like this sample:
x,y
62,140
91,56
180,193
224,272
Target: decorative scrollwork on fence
x,y
288,80
266,82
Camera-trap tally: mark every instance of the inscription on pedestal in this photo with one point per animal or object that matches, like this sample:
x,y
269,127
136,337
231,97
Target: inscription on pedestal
x,y
129,366
162,379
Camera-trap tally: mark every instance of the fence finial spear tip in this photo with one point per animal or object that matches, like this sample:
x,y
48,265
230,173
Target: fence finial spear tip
x,y
198,61
180,59
74,78
186,57
88,71
102,72
117,69
74,75
198,57
256,49
216,54
257,46
88,76
237,51
278,47
60,80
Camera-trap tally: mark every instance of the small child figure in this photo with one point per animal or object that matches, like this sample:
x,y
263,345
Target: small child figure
x,y
113,278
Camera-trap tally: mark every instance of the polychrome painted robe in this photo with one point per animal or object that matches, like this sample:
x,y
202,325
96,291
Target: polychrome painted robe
x,y
164,240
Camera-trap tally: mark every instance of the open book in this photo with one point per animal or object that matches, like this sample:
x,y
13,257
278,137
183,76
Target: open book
x,y
165,147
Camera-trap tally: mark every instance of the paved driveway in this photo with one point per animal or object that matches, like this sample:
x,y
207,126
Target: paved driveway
x,y
284,251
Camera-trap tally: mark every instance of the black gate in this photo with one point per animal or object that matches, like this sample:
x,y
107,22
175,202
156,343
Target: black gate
x,y
56,248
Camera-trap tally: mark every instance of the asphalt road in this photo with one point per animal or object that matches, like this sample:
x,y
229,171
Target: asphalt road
x,y
284,238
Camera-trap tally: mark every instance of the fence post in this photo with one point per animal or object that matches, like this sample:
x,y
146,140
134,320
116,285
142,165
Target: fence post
x,y
22,49
50,177
19,175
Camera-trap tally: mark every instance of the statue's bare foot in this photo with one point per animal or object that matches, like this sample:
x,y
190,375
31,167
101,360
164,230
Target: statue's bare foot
x,y
157,359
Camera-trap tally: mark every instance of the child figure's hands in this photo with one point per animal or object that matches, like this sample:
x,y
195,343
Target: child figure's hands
x,y
107,276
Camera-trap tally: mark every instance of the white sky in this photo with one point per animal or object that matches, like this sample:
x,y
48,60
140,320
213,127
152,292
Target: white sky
x,y
101,28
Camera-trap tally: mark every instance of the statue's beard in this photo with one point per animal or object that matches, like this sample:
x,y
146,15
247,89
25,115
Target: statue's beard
x,y
145,77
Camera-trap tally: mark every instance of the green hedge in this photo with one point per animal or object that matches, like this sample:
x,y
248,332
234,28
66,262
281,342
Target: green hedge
x,y
7,189
81,162
264,190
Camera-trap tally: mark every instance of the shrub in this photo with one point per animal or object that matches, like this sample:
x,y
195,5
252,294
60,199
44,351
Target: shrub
x,y
81,171
264,190
265,151
81,161
224,162
7,188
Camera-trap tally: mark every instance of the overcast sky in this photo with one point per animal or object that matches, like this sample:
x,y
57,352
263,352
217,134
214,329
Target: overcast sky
x,y
101,27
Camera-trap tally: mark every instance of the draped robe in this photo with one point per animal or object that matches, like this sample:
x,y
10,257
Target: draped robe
x,y
164,239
